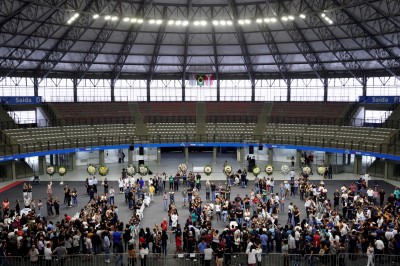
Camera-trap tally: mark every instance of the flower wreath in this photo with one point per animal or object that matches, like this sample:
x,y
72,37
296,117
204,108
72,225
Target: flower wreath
x,y
91,169
103,170
256,170
50,170
143,169
62,171
208,170
269,169
228,169
131,170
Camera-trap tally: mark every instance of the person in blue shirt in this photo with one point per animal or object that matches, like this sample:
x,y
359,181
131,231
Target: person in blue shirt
x,y
117,237
264,241
202,246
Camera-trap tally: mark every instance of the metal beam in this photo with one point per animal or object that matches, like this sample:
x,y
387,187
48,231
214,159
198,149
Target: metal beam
x,y
185,51
301,42
28,46
340,52
233,13
129,41
14,13
215,51
381,52
157,46
66,41
273,48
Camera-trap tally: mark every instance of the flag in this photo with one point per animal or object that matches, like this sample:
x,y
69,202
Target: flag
x,y
209,80
200,80
192,80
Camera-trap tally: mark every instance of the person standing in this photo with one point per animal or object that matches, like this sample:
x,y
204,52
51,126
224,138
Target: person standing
x,y
165,200
143,252
33,255
370,255
61,253
330,171
208,254
56,205
111,196
47,255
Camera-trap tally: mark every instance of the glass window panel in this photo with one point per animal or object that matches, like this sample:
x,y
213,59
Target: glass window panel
x,y
306,90
130,90
383,86
270,90
166,90
16,86
94,90
344,89
235,90
57,90
200,93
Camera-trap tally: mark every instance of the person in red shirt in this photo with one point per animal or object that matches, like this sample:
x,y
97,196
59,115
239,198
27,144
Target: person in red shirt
x,y
178,241
317,239
164,225
67,217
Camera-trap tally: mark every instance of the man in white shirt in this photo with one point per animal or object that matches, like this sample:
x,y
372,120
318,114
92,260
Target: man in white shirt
x,y
292,175
366,178
380,246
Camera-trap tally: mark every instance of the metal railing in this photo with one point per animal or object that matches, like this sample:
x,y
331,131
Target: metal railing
x,y
186,259
46,145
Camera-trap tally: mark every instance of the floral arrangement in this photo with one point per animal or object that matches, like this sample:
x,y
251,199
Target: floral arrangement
x,y
143,169
62,170
269,169
321,170
91,169
131,170
51,170
208,170
256,170
285,169
103,170
306,170
228,169
182,168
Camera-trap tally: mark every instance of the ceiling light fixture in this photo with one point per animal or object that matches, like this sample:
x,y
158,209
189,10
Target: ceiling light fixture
x,y
133,20
152,21
284,18
171,22
273,20
203,23
229,23
302,16
196,23
291,17
178,22
126,19
140,21
222,22
76,15
247,21
107,17
159,21
267,20
323,15
259,20
215,22
241,22
95,16
185,23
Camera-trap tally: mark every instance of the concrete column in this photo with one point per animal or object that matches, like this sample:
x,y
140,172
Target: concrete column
x,y
357,164
270,155
344,159
298,158
186,150
130,156
239,155
42,165
73,160
327,158
158,155
214,154
13,170
388,173
57,159
101,158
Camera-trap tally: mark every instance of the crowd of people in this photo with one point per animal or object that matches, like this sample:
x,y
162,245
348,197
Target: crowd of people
x,y
357,219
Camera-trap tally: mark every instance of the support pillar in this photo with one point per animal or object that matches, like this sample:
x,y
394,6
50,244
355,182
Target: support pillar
x,y
73,160
158,155
357,164
299,153
327,158
270,155
42,165
239,156
101,158
130,156
13,170
186,150
214,154
388,173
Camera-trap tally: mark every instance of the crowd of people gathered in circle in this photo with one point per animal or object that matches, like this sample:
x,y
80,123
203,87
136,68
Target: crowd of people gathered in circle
x,y
360,219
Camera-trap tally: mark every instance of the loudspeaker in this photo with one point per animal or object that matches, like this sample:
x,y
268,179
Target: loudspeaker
x,y
260,147
141,162
131,148
141,151
251,149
